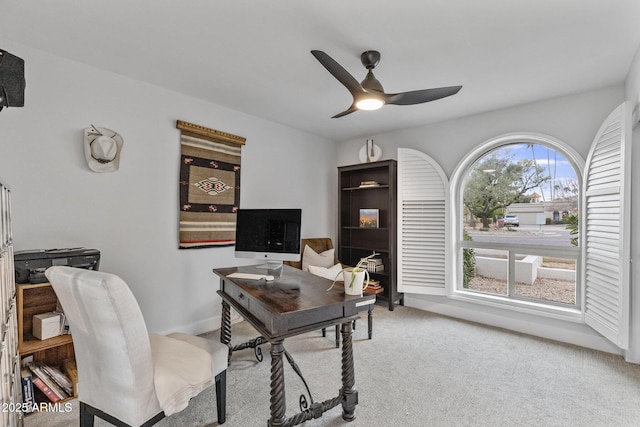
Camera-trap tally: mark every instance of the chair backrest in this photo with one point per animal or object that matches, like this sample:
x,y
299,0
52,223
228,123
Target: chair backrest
x,y
318,244
113,353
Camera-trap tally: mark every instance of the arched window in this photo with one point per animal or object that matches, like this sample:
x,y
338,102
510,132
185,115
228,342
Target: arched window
x,y
517,201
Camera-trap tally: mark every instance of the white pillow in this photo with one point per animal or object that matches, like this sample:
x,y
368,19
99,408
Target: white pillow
x,y
311,257
328,273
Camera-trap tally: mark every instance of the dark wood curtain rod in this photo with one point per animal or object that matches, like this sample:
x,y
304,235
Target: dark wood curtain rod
x,y
212,134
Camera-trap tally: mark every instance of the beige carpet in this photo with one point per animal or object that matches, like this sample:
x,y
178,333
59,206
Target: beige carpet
x,y
422,369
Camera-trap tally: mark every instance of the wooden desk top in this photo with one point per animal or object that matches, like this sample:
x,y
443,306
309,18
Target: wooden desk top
x,y
295,302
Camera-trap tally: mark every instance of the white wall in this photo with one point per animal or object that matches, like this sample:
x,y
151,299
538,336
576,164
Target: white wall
x,y
572,119
131,215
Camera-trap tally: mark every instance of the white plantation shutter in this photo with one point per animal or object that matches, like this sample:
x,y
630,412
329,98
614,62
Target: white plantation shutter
x,y
423,220
605,232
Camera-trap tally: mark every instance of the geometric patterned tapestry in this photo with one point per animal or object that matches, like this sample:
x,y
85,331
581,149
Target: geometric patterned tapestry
x,y
209,186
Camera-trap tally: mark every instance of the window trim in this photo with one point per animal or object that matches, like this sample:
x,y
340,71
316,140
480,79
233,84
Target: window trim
x,y
456,230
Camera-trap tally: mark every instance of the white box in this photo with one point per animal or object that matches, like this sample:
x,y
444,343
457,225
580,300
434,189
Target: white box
x,y
46,325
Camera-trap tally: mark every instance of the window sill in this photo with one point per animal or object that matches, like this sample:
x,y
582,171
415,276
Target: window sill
x,y
536,308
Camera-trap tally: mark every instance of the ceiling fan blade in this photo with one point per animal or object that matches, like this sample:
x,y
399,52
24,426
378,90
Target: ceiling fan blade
x,y
420,96
338,72
344,113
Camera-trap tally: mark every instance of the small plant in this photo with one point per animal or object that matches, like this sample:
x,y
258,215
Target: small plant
x,y
358,268
573,227
468,262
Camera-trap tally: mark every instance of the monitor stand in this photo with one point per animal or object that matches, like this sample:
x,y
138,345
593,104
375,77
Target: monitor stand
x,y
270,265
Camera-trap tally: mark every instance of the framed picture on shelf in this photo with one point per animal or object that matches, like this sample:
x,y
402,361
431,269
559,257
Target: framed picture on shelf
x,y
369,218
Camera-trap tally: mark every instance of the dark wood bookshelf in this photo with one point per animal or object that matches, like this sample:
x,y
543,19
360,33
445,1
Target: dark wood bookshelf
x,y
354,241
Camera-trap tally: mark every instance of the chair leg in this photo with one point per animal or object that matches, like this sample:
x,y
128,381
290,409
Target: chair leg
x,y
324,332
88,414
86,417
221,396
370,320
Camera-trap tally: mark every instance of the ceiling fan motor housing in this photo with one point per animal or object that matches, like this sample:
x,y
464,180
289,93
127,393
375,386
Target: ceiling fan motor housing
x,y
370,59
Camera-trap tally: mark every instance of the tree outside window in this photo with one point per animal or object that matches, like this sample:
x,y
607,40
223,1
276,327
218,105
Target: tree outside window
x,y
499,180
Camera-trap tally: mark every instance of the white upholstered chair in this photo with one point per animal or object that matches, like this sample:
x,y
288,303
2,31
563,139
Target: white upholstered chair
x,y
125,375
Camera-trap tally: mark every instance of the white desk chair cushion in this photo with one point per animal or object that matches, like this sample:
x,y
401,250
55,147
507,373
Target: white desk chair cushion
x,y
219,352
181,371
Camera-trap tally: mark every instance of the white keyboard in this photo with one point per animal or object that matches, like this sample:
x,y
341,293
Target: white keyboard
x,y
249,276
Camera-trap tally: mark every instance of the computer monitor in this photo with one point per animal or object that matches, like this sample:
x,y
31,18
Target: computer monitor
x,y
272,235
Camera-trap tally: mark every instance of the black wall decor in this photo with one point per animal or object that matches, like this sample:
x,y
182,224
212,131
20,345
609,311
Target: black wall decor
x,y
12,82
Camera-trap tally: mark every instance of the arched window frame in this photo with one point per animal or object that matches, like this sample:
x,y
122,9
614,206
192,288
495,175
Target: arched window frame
x,y
454,288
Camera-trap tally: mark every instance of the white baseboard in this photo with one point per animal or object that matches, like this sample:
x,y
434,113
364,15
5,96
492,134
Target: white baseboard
x,y
206,325
553,329
197,328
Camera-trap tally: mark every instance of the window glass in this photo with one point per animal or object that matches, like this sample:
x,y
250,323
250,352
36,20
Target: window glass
x,y
520,210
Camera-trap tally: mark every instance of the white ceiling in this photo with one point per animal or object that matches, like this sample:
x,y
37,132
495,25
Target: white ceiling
x,y
253,55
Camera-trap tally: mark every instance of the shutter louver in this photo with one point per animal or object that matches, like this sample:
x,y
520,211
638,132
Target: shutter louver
x,y
423,220
606,241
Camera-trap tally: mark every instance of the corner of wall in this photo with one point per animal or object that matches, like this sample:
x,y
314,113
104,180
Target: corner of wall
x,y
632,87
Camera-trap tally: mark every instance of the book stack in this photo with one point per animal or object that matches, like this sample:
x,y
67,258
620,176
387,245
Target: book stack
x,y
364,184
374,265
374,287
51,381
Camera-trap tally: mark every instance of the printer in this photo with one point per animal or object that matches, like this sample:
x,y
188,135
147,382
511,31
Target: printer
x,y
30,265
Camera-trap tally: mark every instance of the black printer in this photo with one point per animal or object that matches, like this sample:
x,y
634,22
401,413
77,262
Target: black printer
x,y
30,265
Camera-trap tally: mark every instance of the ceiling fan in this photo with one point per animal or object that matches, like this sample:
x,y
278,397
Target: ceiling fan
x,y
369,95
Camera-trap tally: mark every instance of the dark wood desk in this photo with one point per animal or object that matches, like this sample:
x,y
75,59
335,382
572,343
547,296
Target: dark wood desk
x,y
294,303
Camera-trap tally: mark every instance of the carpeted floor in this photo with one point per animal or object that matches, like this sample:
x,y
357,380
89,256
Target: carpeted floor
x,y
423,369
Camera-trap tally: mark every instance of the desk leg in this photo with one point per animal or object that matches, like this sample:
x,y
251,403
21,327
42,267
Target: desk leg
x,y
349,393
278,402
225,324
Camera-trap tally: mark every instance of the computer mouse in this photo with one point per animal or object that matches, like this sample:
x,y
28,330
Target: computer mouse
x,y
269,278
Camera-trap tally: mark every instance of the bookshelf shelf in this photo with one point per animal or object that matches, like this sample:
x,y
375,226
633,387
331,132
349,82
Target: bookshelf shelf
x,y
32,345
369,187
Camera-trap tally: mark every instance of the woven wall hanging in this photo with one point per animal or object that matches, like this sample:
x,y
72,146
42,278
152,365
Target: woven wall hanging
x,y
209,186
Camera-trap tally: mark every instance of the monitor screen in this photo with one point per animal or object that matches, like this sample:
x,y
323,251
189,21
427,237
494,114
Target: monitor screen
x,y
272,235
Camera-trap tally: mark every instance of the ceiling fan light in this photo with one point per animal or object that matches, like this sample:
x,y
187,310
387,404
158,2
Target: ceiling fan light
x,y
369,104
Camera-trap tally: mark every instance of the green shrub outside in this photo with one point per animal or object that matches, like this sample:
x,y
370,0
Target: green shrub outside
x,y
468,262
